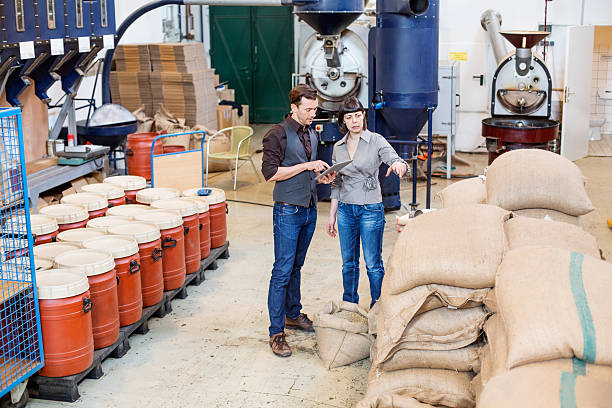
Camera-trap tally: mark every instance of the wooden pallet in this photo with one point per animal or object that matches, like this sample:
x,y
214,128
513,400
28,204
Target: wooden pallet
x,y
66,388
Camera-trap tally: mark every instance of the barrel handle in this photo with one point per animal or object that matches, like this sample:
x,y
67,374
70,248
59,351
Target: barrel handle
x,y
117,280
201,226
226,208
111,205
168,242
157,254
134,266
54,239
129,152
129,201
87,304
186,228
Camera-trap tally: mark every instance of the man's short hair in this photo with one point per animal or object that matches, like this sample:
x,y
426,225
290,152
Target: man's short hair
x,y
302,91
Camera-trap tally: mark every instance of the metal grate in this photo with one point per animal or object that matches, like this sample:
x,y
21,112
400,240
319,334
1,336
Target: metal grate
x,y
21,353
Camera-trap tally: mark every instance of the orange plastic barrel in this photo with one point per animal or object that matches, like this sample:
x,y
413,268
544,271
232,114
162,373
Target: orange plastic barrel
x,y
148,195
99,266
65,319
204,219
78,235
130,184
112,192
95,204
53,249
187,208
148,238
127,264
173,148
104,223
128,210
173,245
138,153
44,228
218,214
42,264
67,216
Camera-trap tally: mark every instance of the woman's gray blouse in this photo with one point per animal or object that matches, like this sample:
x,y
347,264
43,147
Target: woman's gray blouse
x,y
358,183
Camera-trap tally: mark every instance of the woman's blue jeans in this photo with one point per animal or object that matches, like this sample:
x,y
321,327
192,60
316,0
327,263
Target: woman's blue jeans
x,y
365,223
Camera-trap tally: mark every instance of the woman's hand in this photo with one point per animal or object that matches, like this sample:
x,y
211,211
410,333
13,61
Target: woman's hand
x,y
398,168
331,226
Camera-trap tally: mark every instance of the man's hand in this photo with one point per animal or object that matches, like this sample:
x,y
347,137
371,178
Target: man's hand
x,y
328,178
398,168
331,226
317,166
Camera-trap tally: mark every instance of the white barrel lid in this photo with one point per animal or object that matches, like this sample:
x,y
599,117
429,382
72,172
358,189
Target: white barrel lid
x,y
104,223
13,247
90,261
107,190
163,219
128,183
42,264
78,235
184,207
120,246
53,249
43,224
61,283
148,195
16,225
90,201
216,195
142,232
66,213
202,205
128,210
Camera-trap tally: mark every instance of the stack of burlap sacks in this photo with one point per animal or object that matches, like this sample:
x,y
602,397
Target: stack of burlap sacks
x,y
546,317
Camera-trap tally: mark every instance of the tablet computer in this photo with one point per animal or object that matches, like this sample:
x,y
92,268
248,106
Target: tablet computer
x,y
335,167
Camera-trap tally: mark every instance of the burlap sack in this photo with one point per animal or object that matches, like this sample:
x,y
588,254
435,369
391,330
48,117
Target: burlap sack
x,y
463,359
391,401
469,191
523,231
476,388
342,341
537,387
458,246
555,304
544,214
439,329
398,310
490,301
145,123
373,319
534,178
435,387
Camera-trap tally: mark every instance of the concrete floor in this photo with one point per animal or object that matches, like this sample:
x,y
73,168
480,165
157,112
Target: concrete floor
x,y
212,350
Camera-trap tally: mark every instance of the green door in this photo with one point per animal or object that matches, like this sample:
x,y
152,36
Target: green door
x,y
252,49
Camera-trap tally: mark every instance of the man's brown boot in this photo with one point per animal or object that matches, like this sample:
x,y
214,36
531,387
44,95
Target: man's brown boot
x,y
301,322
279,345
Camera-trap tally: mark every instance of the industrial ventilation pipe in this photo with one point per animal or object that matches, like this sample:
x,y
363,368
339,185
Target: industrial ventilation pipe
x,y
491,22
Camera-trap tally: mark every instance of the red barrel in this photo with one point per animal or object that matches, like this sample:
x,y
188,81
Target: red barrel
x,y
204,218
187,208
217,211
127,264
149,249
128,210
148,195
173,148
95,204
104,223
112,192
67,216
44,228
78,235
65,320
130,184
99,266
53,249
138,153
173,245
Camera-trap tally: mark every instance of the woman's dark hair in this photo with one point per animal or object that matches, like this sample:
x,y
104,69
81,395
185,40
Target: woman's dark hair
x,y
302,91
351,105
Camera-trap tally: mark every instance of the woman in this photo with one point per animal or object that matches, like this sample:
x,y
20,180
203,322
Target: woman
x,y
356,198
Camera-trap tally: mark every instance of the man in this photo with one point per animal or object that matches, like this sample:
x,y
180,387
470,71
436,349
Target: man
x,y
290,160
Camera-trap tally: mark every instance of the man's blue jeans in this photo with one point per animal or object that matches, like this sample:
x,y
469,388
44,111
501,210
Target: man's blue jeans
x,y
293,230
365,222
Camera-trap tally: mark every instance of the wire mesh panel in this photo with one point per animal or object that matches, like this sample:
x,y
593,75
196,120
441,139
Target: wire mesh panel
x,y
20,336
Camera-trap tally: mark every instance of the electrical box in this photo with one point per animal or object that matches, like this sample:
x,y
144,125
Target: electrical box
x,y
18,21
78,18
103,14
51,20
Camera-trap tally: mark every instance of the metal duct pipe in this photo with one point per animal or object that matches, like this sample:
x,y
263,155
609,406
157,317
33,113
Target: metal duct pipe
x,y
491,22
106,96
